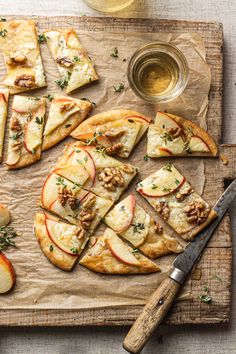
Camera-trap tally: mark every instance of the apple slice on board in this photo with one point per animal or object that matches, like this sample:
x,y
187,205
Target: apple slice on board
x,y
162,182
75,174
121,216
5,216
64,236
196,144
119,249
7,274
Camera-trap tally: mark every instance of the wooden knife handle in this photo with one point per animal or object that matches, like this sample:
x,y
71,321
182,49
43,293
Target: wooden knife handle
x,y
152,315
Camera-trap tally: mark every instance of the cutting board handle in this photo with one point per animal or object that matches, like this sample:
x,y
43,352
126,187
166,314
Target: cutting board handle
x,y
152,315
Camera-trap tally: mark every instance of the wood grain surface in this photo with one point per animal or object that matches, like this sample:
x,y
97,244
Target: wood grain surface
x,y
220,248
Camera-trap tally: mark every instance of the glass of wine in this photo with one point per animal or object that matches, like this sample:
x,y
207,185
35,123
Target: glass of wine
x,y
108,5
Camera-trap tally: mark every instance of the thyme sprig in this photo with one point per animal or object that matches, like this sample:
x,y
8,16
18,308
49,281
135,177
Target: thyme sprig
x,y
7,235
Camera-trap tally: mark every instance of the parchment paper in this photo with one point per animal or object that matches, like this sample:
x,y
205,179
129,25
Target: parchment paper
x,y
39,283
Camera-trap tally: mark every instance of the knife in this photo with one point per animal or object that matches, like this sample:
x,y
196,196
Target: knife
x,y
161,300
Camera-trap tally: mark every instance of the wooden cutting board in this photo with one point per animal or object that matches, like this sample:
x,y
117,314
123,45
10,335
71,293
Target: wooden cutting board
x,y
214,268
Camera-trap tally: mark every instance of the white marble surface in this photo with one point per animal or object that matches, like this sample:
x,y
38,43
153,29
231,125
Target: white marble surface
x,y
168,340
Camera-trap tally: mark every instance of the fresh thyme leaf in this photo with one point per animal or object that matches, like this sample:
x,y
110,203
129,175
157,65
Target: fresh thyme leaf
x,y
122,207
114,54
94,139
177,181
166,137
205,298
131,120
76,58
49,97
187,148
3,19
154,186
216,276
67,125
101,150
33,151
165,189
62,83
16,136
74,250
86,158
39,120
7,235
3,33
138,227
206,289
145,157
61,181
42,38
135,250
140,184
119,87
168,167
51,248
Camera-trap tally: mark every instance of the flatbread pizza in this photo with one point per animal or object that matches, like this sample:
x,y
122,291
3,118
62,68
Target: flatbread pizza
x,y
4,95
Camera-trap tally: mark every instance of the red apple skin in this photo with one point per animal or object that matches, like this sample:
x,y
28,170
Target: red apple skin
x,y
146,119
94,242
51,238
3,97
140,190
133,203
196,136
117,257
166,150
7,263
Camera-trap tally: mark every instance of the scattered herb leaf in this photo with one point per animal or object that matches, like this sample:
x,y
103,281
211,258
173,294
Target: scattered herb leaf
x,y
3,33
49,97
168,167
119,87
145,157
42,38
74,250
39,120
16,136
51,248
7,235
177,181
138,227
67,125
3,19
135,250
61,181
62,83
154,186
114,54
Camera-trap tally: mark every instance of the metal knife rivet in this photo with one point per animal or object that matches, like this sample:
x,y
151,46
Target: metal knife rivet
x,y
160,302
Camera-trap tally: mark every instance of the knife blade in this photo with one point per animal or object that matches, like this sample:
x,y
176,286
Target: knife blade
x,y
161,300
185,261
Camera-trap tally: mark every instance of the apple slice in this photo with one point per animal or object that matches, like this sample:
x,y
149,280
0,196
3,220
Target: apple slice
x,y
100,139
51,217
196,144
64,236
119,249
162,182
146,119
165,151
5,216
4,97
75,174
121,216
13,157
82,157
7,274
33,133
163,121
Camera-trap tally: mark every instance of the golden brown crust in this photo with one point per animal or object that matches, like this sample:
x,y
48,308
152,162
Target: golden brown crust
x,y
56,256
26,159
62,131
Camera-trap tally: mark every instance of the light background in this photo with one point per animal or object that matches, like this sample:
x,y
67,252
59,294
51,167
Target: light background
x,y
220,339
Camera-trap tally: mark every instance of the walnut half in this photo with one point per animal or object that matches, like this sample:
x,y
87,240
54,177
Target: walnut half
x,y
111,178
163,209
24,80
65,62
197,212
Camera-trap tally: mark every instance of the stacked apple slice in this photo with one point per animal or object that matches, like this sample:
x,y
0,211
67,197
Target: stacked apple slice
x,y
117,131
129,220
4,95
171,135
176,202
109,254
7,274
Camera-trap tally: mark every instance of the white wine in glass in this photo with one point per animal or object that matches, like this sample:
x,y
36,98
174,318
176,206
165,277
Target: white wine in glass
x,y
108,5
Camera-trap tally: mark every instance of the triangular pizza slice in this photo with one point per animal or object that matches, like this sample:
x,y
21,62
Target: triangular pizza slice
x,y
4,95
26,131
176,202
70,202
65,115
20,47
129,220
60,242
74,65
117,131
108,177
171,135
110,255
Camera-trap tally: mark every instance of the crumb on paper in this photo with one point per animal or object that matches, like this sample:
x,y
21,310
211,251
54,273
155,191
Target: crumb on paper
x,y
196,274
224,159
185,297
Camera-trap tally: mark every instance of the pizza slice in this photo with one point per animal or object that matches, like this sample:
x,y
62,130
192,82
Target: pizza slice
x,y
4,95
74,65
176,202
171,135
60,242
117,131
65,115
110,255
71,202
129,220
108,177
26,131
20,47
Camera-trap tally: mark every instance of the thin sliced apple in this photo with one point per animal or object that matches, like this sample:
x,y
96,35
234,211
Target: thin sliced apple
x,y
4,97
196,144
51,217
146,119
100,139
72,40
13,157
121,216
7,274
165,151
163,121
76,174
119,249
162,182
5,216
33,134
64,236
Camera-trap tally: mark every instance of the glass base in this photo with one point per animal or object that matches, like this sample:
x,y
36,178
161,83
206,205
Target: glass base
x,y
108,5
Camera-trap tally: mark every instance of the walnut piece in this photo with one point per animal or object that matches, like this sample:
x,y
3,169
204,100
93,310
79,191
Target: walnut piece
x,y
67,106
88,213
111,178
114,148
128,168
16,145
17,59
183,193
174,132
15,124
65,62
25,81
114,134
89,202
197,212
66,195
163,209
158,228
80,232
